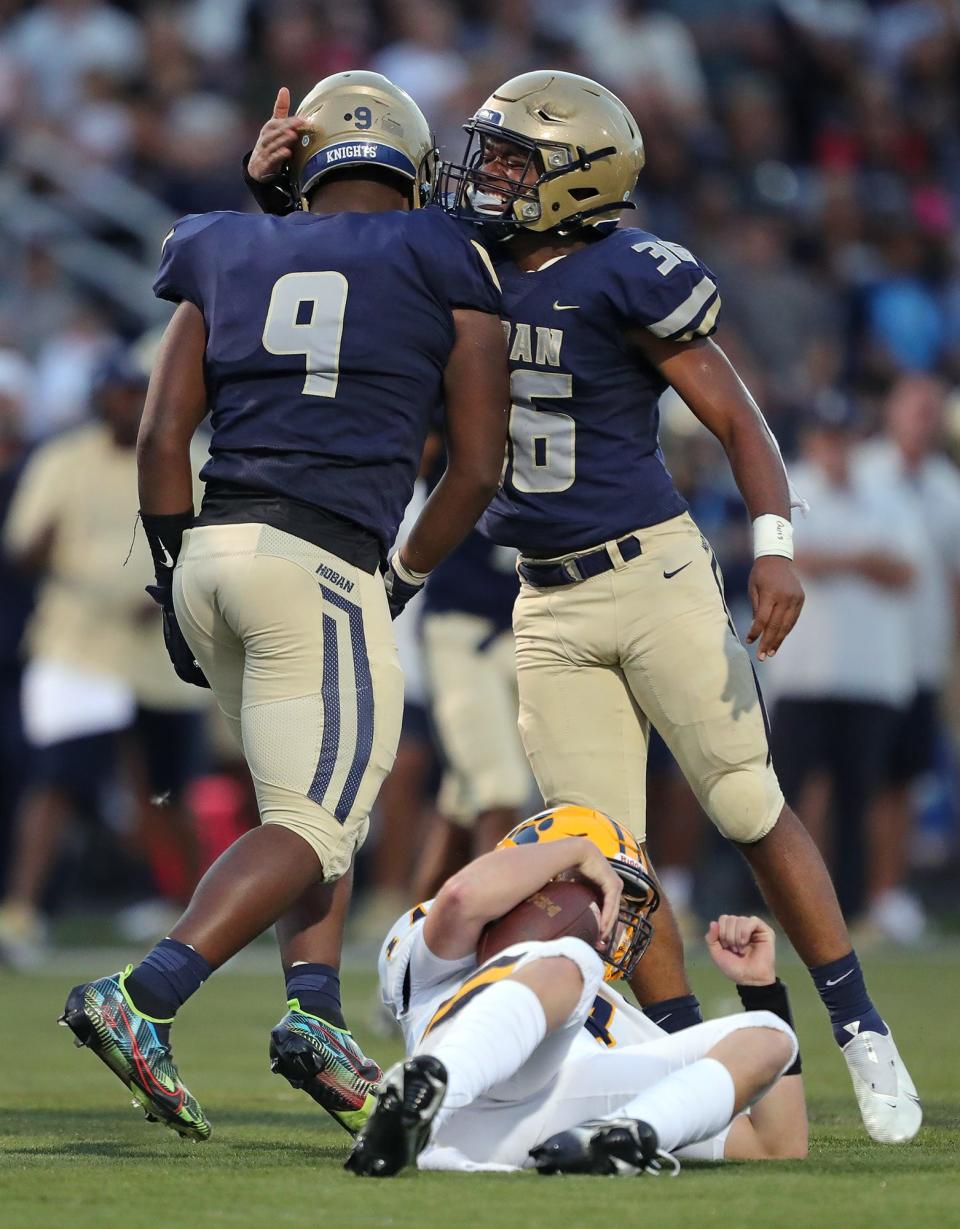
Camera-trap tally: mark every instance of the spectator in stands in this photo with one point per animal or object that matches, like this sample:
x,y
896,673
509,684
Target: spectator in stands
x,y
424,60
93,644
844,676
57,42
908,460
16,386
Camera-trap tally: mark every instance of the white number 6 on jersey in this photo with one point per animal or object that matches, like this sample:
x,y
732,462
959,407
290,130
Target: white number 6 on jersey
x,y
543,441
305,317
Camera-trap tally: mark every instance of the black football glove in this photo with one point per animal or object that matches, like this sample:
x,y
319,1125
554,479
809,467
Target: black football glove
x,y
275,195
165,536
401,584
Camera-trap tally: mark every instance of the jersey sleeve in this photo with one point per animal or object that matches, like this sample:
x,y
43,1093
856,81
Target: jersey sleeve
x,y
186,258
407,969
663,288
462,267
478,287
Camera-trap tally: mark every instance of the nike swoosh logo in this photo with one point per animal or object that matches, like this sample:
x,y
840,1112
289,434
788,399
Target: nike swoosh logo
x,y
670,575
565,307
836,981
167,557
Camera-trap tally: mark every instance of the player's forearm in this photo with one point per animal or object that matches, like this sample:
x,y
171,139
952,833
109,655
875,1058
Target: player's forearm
x,y
757,467
175,406
706,380
449,514
776,1128
476,395
490,887
779,1125
164,477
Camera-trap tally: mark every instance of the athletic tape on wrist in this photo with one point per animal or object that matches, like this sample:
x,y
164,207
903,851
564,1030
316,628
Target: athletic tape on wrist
x,y
407,575
772,535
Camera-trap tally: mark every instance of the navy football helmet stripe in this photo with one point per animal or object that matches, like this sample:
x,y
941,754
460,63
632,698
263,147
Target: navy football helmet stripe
x,y
355,153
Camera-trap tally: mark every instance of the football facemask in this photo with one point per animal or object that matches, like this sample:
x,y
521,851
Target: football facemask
x,y
633,930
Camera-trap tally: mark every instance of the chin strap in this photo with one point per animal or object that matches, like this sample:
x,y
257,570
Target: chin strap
x,y
578,221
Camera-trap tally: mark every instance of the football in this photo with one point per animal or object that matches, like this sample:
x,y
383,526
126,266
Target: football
x,y
563,907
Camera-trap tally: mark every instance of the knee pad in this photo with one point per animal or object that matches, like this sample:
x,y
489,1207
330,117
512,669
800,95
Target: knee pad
x,y
744,803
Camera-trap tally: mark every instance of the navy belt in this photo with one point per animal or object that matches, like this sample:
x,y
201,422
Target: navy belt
x,y
579,567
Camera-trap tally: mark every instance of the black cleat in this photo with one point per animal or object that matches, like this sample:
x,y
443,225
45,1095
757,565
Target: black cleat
x,y
399,1128
604,1146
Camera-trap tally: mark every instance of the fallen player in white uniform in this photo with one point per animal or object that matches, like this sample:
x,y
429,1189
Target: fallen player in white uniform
x,y
531,1059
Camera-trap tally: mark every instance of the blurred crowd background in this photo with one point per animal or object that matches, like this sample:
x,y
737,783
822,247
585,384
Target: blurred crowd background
x,y
807,150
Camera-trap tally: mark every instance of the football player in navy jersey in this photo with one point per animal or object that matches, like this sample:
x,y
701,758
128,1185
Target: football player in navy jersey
x,y
321,344
621,621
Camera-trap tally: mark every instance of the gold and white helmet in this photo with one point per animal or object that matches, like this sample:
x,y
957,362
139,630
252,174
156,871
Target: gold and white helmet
x,y
362,119
584,153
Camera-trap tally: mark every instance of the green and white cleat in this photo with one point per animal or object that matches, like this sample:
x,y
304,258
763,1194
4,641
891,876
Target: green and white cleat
x,y
102,1018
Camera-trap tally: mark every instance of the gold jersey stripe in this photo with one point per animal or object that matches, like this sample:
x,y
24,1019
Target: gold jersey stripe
x,y
485,257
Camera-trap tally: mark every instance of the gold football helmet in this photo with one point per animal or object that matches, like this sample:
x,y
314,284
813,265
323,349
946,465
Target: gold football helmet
x,y
633,932
583,155
362,119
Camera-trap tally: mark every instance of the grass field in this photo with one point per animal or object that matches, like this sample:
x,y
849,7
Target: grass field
x,y
73,1153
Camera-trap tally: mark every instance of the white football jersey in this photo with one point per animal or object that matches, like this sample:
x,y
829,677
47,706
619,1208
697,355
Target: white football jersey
x,y
414,983
614,1023
416,986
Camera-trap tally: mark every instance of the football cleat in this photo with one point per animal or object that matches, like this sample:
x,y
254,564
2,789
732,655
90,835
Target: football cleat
x,y
604,1146
328,1064
889,1105
102,1018
399,1127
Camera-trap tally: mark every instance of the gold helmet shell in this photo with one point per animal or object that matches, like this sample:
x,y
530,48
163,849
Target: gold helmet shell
x,y
360,118
633,932
584,144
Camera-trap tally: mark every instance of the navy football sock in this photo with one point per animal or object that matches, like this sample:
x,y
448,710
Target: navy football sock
x,y
316,987
165,979
673,1015
841,986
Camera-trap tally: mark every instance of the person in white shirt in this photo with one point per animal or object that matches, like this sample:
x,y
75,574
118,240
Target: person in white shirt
x,y
847,674
530,1059
906,460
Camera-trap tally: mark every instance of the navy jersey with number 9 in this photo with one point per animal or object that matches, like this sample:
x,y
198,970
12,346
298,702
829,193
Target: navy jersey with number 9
x,y
584,462
327,339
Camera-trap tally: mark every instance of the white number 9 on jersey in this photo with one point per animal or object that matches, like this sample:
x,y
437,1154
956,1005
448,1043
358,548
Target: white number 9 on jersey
x,y
305,317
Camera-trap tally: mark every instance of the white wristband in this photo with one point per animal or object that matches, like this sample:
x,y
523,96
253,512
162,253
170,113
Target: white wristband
x,y
772,535
407,575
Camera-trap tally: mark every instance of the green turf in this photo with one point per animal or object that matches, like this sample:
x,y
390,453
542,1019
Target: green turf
x,y
74,1154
